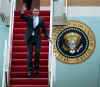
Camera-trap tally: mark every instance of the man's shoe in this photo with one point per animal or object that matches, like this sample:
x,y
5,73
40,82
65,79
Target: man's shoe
x,y
30,74
36,71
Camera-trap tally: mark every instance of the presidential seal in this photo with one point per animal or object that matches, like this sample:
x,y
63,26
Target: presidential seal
x,y
73,43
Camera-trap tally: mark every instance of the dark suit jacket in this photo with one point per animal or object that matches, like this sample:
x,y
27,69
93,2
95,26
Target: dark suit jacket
x,y
27,1
29,19
28,4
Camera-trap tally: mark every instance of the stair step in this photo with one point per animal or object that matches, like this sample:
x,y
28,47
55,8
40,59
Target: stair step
x,y
23,42
28,86
29,81
21,37
24,75
18,19
24,49
25,62
24,24
24,68
41,13
23,30
24,55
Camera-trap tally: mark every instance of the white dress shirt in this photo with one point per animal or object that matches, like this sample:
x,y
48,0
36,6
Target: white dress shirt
x,y
35,23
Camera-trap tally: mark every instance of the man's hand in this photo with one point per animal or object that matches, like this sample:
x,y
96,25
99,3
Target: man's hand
x,y
50,41
24,7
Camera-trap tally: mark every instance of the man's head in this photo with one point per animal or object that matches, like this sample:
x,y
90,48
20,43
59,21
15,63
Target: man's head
x,y
35,12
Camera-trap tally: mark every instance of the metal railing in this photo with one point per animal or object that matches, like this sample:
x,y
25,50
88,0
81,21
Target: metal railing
x,y
4,79
8,48
52,59
66,8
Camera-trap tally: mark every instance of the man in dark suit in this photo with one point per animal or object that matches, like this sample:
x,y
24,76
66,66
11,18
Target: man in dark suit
x,y
33,37
28,4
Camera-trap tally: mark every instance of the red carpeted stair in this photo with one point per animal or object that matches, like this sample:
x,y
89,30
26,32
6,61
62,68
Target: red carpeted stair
x,y
18,74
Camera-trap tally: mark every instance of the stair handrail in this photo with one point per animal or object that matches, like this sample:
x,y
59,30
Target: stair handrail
x,y
4,74
52,60
8,48
10,38
67,8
